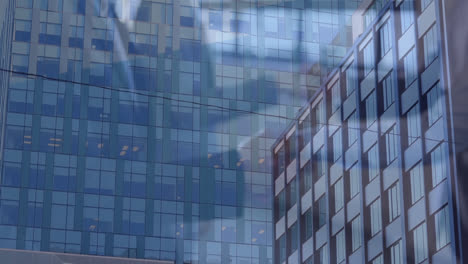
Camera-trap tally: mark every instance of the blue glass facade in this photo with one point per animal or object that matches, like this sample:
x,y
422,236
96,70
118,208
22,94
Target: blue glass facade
x,y
142,129
379,149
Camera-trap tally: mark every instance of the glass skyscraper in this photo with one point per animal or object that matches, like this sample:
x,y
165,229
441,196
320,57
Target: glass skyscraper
x,y
142,129
373,168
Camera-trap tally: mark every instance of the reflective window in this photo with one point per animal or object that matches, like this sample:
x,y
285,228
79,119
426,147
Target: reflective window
x,y
391,144
370,15
292,192
385,39
339,195
351,78
371,109
414,124
396,254
394,202
321,209
411,67
215,20
353,129
22,30
321,162
434,104
420,243
375,217
368,58
442,227
322,255
307,227
373,162
306,131
417,182
356,233
354,180
293,238
388,93
431,46
291,144
281,203
280,162
50,33
319,116
24,3
406,14
282,248
425,3
378,260
340,247
337,145
335,97
306,177
75,6
51,6
438,164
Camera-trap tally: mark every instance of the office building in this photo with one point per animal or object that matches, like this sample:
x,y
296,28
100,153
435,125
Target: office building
x,y
372,168
142,129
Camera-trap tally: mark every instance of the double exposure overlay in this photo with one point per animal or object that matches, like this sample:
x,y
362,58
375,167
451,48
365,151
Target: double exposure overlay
x,y
233,131
371,170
